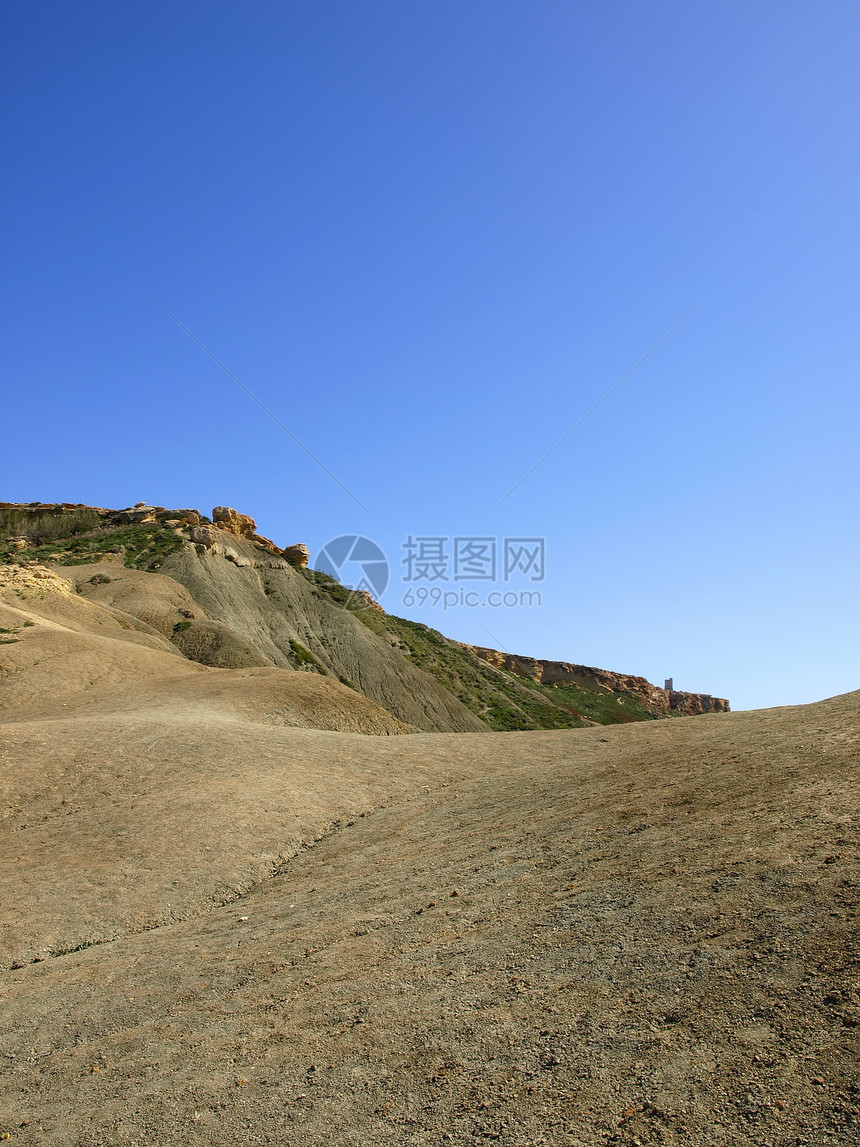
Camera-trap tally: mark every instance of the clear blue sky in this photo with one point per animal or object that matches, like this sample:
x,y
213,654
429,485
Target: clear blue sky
x,y
429,237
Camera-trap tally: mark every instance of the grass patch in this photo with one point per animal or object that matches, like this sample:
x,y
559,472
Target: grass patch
x,y
605,708
144,547
305,657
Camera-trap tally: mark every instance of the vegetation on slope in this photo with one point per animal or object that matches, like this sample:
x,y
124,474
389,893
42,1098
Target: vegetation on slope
x,y
143,547
43,525
505,701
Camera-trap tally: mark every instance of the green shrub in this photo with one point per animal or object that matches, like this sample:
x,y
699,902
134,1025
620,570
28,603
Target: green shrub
x,y
305,657
44,525
144,547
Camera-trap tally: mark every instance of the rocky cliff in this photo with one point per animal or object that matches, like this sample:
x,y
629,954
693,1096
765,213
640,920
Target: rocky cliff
x,y
35,521
658,701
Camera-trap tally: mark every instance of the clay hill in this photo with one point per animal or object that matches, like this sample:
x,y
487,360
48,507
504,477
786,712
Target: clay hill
x,y
223,596
244,901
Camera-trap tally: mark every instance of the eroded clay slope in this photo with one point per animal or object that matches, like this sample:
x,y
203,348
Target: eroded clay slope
x,y
643,934
270,604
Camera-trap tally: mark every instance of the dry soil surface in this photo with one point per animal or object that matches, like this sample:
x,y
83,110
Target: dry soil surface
x,y
217,929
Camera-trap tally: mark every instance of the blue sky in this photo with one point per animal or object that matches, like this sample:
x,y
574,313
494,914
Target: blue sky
x,y
429,238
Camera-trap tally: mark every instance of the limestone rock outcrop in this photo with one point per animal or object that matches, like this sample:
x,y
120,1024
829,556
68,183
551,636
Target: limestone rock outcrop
x,y
203,536
690,704
135,515
297,555
366,600
226,518
242,526
138,514
141,514
657,700
32,577
265,543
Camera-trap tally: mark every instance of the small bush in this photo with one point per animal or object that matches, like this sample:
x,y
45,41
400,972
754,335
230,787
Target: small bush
x,y
305,657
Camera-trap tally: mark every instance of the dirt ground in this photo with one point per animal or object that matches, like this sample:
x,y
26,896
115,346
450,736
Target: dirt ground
x,y
220,929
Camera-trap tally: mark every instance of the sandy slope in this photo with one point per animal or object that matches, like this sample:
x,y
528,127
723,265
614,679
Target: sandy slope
x,y
653,938
638,934
62,651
